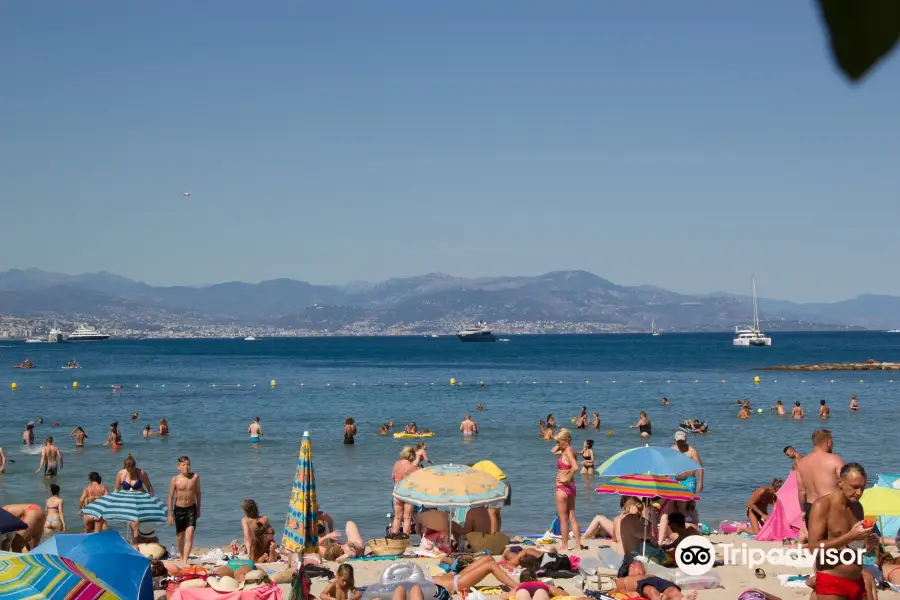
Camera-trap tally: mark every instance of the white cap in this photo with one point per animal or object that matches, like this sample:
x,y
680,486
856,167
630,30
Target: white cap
x,y
680,436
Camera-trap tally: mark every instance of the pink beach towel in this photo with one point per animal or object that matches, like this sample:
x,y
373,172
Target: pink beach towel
x,y
787,517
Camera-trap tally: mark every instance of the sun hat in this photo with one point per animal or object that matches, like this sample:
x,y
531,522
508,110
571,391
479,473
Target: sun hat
x,y
680,435
193,583
146,533
225,584
255,579
152,551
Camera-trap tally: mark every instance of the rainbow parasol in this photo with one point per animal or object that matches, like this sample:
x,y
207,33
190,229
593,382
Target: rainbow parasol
x,y
300,529
49,577
647,486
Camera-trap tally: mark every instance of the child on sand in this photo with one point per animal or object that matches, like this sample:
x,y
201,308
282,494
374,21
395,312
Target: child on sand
x,y
342,587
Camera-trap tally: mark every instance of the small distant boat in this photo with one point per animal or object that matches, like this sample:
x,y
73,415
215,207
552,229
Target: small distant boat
x,y
503,340
25,365
654,330
476,333
751,335
34,340
249,338
888,331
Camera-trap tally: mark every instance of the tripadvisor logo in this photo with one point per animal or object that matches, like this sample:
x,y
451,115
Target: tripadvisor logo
x,y
696,555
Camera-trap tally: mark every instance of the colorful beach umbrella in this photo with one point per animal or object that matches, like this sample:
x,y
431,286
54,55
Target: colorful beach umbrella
x,y
881,502
451,486
648,460
9,522
128,505
47,577
119,566
647,486
301,533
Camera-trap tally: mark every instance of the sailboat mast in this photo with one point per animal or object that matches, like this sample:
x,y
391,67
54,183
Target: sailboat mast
x,y
755,310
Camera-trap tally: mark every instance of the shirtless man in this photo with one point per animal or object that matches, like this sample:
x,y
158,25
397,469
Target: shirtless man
x,y
255,431
51,459
184,507
792,454
824,411
818,471
835,522
692,480
468,427
28,435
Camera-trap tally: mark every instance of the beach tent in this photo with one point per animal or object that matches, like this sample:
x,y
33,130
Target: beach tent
x,y
889,525
786,519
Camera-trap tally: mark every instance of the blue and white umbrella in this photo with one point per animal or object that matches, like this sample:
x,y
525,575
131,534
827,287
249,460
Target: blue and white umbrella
x,y
128,505
647,460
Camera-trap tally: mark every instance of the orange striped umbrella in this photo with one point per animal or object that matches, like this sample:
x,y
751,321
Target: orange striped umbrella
x,y
647,486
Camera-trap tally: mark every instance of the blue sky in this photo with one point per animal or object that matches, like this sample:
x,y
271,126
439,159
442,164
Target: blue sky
x,y
681,144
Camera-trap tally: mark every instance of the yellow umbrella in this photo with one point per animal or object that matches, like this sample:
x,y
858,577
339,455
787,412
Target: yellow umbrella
x,y
881,502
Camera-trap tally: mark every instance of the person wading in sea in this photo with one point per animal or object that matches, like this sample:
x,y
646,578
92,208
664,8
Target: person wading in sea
x,y
692,480
255,431
184,507
468,427
818,472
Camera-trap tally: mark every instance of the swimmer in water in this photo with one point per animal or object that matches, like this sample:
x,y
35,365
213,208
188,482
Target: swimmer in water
x,y
643,425
744,413
148,431
468,427
824,411
255,431
56,423
79,434
854,405
780,408
40,420
581,421
28,435
797,412
546,432
135,416
114,438
595,421
665,401
383,430
163,428
51,459
349,431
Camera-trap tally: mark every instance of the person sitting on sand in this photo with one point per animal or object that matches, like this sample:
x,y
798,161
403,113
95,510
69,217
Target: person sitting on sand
x,y
649,586
633,531
688,510
250,522
342,587
797,412
678,526
331,549
602,526
758,506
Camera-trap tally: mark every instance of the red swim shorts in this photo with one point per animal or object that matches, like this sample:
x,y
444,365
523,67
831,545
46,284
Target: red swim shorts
x,y
832,585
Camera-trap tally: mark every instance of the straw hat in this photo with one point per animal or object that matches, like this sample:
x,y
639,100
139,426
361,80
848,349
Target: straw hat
x,y
152,551
225,584
255,579
193,583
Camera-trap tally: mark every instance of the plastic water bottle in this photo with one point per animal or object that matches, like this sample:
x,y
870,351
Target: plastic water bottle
x,y
173,551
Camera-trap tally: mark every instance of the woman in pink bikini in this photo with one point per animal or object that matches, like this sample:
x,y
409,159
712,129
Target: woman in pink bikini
x,y
567,466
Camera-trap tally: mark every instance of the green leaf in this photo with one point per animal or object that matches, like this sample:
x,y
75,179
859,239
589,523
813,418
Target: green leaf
x,y
862,32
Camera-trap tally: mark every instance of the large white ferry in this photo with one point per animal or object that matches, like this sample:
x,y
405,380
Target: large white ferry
x,y
83,333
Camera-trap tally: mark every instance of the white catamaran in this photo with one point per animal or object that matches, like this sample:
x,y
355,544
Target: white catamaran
x,y
751,335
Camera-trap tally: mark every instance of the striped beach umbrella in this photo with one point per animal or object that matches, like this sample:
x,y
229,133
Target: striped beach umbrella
x,y
451,486
128,505
301,533
647,486
48,577
649,460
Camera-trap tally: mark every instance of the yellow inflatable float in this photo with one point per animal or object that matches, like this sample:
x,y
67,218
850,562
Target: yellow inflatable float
x,y
414,435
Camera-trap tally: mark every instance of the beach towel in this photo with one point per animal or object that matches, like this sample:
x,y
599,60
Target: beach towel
x,y
787,517
793,581
368,558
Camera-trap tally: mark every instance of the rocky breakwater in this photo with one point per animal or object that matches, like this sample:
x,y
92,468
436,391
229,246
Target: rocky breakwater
x,y
869,365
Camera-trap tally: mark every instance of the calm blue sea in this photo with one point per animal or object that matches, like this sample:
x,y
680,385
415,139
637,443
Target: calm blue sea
x,y
210,390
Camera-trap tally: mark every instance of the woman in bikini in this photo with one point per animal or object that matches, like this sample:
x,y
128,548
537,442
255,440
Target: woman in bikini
x,y
33,516
56,518
163,430
595,421
93,490
566,466
114,438
551,421
581,421
472,575
587,457
349,431
422,454
130,478
331,549
252,521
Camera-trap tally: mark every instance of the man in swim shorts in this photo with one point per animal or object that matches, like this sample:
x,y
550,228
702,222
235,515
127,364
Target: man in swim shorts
x,y
692,480
648,586
255,431
818,471
835,524
184,505
468,427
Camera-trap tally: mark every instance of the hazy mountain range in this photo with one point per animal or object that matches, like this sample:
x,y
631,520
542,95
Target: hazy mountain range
x,y
559,297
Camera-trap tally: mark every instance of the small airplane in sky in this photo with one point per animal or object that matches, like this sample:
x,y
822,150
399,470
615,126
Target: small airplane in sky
x,y
187,193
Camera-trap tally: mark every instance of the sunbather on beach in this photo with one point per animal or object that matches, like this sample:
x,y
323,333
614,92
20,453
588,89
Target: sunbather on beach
x,y
472,575
531,588
649,586
514,555
330,547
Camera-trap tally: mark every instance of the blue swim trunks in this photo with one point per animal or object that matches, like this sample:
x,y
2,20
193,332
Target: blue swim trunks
x,y
254,440
690,483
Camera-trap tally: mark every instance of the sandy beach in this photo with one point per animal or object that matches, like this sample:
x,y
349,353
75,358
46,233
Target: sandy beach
x,y
734,579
